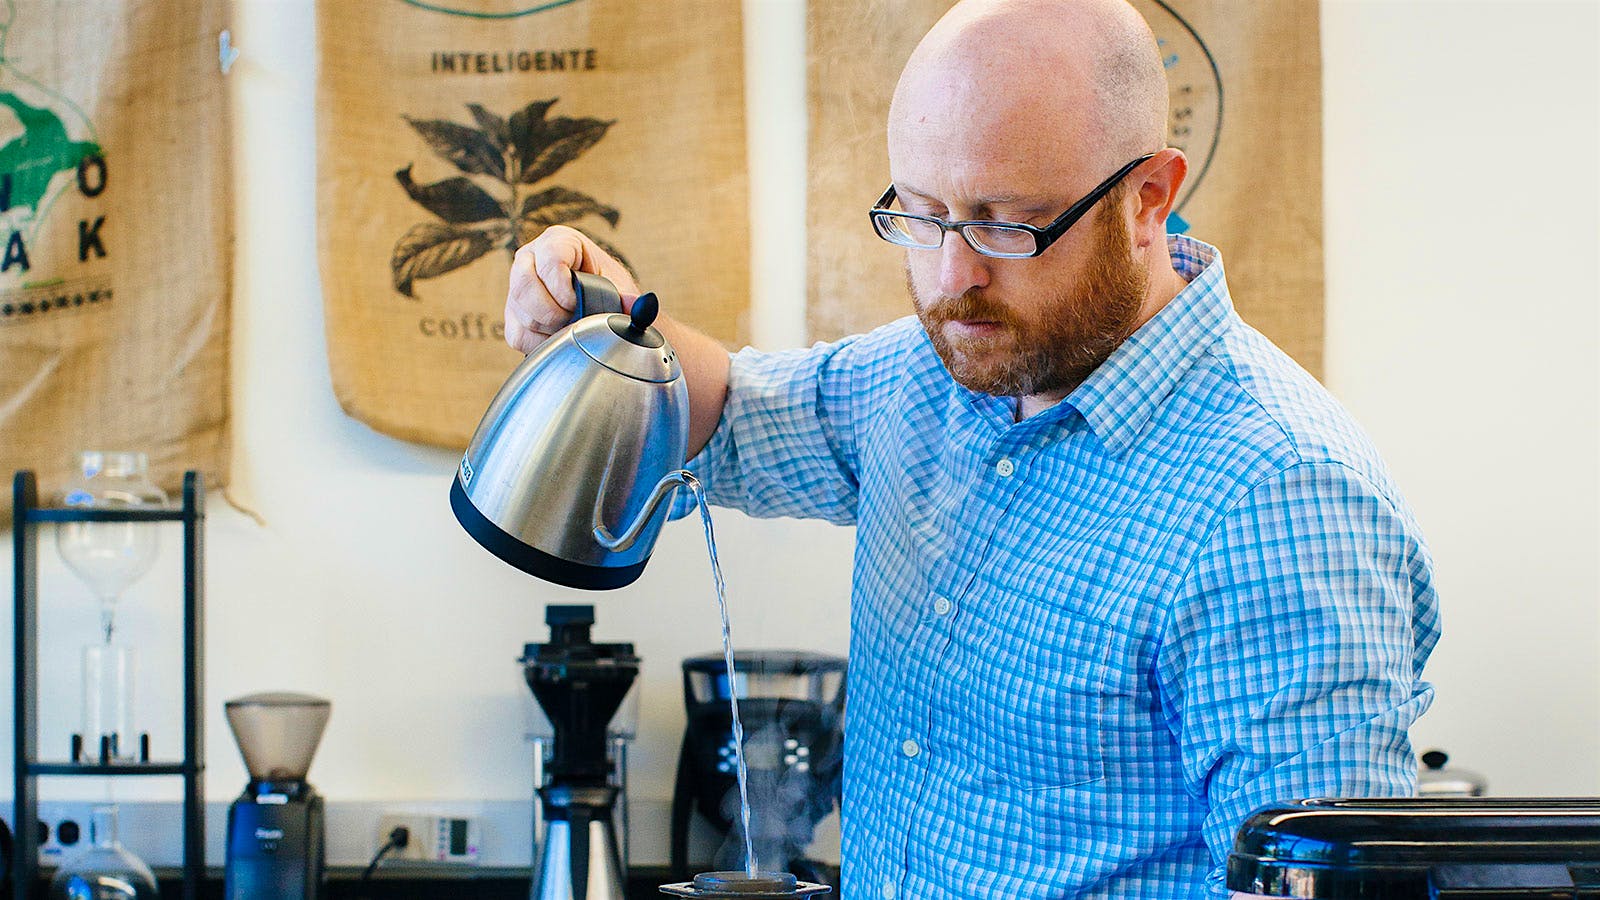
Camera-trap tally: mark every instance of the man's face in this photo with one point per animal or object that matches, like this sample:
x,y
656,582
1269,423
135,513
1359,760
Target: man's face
x,y
1038,326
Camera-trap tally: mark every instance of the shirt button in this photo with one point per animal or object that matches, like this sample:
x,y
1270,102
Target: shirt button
x,y
1005,467
888,890
942,606
910,748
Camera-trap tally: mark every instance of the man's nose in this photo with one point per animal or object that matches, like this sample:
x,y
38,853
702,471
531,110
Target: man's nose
x,y
961,268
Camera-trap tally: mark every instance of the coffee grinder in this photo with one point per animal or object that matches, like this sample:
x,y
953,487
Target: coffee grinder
x,y
275,828
579,684
792,706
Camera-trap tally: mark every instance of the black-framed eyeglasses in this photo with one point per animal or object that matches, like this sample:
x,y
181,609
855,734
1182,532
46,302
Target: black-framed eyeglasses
x,y
1003,240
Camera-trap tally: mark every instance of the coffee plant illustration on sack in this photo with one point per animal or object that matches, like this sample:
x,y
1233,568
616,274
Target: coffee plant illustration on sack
x,y
513,155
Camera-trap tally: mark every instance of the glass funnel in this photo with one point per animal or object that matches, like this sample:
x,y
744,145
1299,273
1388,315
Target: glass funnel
x,y
278,733
103,870
109,556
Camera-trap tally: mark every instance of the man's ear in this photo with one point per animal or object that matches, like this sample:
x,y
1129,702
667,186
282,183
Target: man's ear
x,y
1157,192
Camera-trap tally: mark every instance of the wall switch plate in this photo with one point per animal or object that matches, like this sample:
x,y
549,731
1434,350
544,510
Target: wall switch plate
x,y
452,840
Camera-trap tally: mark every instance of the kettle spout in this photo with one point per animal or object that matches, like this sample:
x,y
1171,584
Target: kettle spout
x,y
623,541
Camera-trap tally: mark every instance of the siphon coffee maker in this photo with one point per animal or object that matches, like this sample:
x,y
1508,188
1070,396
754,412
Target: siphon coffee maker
x,y
275,828
109,557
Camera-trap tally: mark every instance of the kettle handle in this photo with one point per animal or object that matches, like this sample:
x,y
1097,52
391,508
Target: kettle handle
x,y
596,295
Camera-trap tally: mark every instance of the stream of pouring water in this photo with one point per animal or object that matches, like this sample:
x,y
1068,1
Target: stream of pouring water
x,y
733,694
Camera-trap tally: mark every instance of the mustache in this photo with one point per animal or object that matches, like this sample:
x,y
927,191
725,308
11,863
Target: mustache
x,y
972,306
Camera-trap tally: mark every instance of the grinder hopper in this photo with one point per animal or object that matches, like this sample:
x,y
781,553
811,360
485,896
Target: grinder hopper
x,y
278,733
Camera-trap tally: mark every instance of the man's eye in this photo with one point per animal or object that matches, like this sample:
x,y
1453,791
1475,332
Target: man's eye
x,y
1021,217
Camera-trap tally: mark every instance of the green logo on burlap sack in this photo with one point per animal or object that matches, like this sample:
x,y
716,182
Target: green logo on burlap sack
x,y
30,161
47,145
511,156
34,165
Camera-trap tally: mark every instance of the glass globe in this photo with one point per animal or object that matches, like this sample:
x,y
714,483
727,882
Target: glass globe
x,y
109,556
104,870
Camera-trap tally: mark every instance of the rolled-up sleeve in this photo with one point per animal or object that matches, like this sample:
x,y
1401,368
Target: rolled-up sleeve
x,y
788,442
1292,662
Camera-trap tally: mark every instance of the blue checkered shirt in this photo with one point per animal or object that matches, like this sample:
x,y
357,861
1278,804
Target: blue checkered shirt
x,y
1086,645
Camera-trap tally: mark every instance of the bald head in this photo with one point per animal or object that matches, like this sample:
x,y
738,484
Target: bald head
x,y
1078,81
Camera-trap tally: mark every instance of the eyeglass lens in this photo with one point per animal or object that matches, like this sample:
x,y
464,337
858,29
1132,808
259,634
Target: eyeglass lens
x,y
913,232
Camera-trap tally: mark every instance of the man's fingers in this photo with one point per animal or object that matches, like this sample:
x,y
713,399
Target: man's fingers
x,y
541,300
524,341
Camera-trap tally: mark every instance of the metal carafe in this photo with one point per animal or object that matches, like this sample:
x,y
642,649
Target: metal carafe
x,y
588,434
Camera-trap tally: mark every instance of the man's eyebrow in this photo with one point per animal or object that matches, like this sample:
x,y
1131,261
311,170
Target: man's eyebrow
x,y
920,195
990,201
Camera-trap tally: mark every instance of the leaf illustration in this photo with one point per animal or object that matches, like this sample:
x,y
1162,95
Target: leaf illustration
x,y
430,250
525,126
558,142
557,206
468,148
523,149
492,126
455,199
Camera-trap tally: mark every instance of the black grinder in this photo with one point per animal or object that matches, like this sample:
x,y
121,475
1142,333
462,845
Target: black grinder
x,y
275,828
792,707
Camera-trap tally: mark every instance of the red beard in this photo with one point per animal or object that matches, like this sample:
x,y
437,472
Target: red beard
x,y
1079,327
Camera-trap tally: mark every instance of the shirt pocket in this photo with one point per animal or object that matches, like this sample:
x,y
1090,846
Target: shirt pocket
x,y
1036,689
1042,734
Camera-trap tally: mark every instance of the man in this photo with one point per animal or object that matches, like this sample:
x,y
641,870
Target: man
x,y
1123,572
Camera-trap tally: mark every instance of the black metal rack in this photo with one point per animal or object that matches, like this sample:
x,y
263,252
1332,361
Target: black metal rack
x,y
26,516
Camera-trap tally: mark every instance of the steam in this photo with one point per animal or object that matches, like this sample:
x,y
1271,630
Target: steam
x,y
791,789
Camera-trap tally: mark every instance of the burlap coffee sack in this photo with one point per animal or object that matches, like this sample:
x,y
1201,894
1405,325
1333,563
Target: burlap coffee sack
x,y
450,132
116,225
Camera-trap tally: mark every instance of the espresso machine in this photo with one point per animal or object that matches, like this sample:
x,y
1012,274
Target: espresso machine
x,y
792,706
579,684
275,828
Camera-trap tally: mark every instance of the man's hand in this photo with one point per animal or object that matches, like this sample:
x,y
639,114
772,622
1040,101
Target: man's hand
x,y
541,301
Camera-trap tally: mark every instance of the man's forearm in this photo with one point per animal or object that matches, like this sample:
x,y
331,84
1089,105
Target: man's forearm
x,y
705,371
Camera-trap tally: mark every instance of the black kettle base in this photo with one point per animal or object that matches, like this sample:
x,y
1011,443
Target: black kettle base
x,y
533,561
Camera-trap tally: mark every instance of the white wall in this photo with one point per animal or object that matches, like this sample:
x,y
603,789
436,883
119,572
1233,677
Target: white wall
x,y
1461,211
1461,149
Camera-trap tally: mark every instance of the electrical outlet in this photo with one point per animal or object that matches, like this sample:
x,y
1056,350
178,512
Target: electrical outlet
x,y
62,828
434,839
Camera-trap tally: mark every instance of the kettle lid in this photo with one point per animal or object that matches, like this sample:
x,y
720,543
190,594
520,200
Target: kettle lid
x,y
629,344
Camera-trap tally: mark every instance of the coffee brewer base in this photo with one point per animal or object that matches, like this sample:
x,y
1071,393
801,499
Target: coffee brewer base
x,y
580,859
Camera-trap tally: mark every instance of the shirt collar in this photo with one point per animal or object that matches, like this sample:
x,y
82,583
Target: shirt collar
x,y
1120,396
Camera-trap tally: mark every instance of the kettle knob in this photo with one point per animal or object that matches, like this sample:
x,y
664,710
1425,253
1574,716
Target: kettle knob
x,y
596,295
645,310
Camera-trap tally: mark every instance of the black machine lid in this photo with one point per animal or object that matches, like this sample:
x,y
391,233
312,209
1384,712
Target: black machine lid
x,y
1426,848
768,662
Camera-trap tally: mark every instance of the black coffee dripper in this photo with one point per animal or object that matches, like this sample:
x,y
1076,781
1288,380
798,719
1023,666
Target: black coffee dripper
x,y
579,684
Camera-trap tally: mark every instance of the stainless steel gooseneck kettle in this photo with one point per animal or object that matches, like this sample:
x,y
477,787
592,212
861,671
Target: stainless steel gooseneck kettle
x,y
589,432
